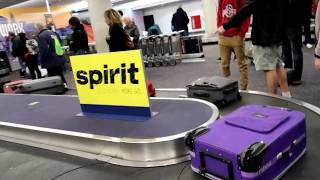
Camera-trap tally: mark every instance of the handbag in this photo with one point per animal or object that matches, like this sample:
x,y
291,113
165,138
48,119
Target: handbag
x,y
129,43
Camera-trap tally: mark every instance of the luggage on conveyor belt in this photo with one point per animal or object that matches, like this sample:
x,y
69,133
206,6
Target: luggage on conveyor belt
x,y
151,89
49,85
2,83
254,142
4,69
217,90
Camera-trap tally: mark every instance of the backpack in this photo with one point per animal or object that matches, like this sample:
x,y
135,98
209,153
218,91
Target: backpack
x,y
32,46
57,46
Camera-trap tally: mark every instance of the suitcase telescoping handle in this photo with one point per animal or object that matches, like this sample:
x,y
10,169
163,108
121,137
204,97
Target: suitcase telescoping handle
x,y
203,168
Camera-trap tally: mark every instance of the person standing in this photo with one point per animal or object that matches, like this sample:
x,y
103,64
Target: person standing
x,y
29,55
233,39
132,30
317,50
292,39
180,21
16,51
117,39
306,6
267,30
31,58
3,53
154,30
79,43
50,53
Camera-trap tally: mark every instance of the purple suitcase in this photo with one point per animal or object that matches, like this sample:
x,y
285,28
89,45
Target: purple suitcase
x,y
254,142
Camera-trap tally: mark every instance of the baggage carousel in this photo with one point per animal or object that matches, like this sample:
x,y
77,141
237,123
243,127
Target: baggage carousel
x,y
24,162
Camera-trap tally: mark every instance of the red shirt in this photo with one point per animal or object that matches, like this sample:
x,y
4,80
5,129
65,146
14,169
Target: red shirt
x,y
227,9
314,7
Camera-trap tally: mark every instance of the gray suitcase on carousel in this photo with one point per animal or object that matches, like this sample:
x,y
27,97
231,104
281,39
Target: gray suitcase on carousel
x,y
49,85
217,90
4,71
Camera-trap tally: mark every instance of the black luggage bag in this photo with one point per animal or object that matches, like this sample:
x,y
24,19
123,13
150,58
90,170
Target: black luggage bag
x,y
217,90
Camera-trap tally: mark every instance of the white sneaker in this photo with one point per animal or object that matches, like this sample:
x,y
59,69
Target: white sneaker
x,y
309,46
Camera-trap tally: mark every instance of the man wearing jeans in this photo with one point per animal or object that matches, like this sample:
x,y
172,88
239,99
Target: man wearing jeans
x,y
233,39
292,40
267,30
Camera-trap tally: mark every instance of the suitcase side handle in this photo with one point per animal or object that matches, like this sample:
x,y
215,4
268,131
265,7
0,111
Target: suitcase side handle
x,y
191,136
203,169
202,94
230,90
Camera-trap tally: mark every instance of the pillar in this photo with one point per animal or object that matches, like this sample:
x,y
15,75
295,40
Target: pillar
x,y
100,28
210,8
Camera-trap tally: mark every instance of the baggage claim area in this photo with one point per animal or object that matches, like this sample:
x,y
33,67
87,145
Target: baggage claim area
x,y
162,111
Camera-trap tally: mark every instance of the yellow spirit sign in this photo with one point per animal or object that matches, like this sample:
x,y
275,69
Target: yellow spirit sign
x,y
112,83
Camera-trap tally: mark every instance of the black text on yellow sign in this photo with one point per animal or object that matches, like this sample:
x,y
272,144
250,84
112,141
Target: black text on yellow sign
x,y
108,76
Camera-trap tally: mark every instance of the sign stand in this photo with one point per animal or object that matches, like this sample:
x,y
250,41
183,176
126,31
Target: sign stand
x,y
117,117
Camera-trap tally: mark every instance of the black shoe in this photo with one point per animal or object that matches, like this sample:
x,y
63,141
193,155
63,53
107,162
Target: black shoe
x,y
296,83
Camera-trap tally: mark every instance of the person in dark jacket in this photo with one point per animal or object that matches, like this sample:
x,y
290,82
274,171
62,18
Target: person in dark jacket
x,y
306,5
154,30
267,31
132,30
48,57
30,55
79,43
117,39
3,53
16,51
317,32
180,21
292,40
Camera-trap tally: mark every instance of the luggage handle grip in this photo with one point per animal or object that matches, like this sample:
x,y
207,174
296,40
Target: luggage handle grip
x,y
202,94
288,151
229,90
203,169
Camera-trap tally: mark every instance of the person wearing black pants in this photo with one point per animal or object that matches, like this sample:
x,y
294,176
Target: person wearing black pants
x,y
292,54
306,24
57,71
32,64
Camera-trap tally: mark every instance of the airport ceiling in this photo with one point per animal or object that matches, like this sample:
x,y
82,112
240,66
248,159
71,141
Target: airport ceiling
x,y
7,3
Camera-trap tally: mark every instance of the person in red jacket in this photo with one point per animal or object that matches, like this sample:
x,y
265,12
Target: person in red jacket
x,y
233,39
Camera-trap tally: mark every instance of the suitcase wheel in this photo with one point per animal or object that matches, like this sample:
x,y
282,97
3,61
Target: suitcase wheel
x,y
239,96
150,64
222,103
173,62
157,64
165,63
